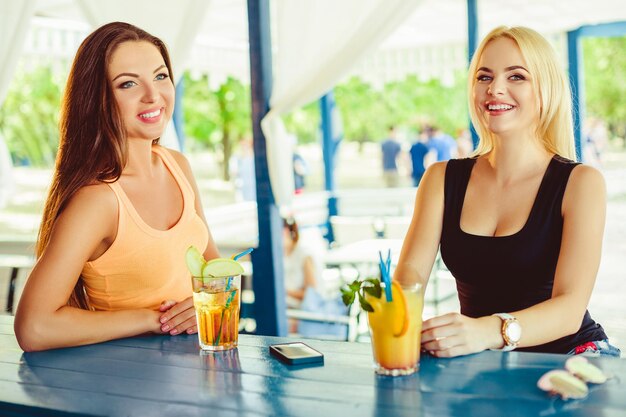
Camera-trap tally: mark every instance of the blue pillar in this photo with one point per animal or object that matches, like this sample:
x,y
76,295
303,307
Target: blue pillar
x,y
574,57
330,143
178,116
267,259
576,73
472,44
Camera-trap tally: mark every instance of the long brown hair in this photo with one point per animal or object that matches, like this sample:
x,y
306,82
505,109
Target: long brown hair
x,y
92,136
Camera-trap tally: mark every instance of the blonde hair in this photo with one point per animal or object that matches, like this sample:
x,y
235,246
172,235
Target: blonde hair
x,y
555,128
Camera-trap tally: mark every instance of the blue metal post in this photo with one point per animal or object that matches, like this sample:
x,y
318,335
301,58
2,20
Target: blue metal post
x,y
178,116
268,282
329,149
576,73
574,56
472,44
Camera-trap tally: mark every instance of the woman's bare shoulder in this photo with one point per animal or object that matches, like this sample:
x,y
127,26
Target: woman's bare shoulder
x,y
586,186
180,158
93,200
435,173
587,180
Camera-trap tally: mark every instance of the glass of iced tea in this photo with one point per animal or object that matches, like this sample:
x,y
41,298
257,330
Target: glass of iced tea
x,y
217,303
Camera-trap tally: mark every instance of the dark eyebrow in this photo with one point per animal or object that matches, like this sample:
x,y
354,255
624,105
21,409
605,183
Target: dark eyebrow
x,y
131,74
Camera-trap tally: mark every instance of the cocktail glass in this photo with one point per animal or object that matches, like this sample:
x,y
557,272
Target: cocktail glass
x,y
217,302
395,329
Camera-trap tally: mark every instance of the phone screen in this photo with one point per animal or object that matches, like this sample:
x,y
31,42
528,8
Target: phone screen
x,y
296,353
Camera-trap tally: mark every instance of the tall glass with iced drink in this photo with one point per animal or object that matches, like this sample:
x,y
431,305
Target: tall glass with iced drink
x,y
395,329
217,311
216,298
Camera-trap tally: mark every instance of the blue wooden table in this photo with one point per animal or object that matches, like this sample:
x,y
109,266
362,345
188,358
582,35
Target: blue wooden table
x,y
168,376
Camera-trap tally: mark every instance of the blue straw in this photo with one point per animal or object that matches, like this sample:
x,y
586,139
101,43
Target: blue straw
x,y
239,255
244,253
384,272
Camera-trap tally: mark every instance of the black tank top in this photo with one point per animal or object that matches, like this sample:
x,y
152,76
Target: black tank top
x,y
509,273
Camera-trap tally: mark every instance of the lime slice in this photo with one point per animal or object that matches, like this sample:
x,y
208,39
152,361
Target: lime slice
x,y
221,267
195,261
401,311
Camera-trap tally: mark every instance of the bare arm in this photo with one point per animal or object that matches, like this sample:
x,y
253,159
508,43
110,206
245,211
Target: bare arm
x,y
422,239
584,213
43,320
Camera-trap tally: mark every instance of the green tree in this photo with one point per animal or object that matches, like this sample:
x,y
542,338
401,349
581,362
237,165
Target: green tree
x,y
218,119
29,117
367,113
605,81
363,111
304,122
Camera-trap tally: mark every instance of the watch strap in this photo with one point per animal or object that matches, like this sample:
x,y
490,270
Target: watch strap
x,y
506,319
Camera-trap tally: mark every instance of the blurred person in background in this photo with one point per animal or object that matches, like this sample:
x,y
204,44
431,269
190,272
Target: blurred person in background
x,y
391,149
418,153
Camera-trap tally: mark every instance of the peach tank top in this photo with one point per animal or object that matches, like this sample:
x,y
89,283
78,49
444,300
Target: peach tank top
x,y
145,266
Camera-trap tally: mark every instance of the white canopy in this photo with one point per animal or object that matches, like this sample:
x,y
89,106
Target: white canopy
x,y
315,41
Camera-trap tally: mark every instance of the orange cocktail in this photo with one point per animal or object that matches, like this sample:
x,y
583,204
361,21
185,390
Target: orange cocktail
x,y
395,328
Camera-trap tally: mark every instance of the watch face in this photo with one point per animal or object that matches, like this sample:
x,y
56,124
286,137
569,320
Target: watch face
x,y
514,331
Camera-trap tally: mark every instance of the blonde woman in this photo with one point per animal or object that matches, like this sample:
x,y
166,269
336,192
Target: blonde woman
x,y
519,224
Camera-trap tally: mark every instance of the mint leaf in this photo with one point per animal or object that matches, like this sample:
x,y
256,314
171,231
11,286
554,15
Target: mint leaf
x,y
374,289
364,304
347,296
369,286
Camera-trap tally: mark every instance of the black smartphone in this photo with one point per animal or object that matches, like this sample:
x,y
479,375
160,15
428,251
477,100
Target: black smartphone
x,y
296,353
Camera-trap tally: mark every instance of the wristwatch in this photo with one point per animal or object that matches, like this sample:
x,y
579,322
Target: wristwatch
x,y
511,331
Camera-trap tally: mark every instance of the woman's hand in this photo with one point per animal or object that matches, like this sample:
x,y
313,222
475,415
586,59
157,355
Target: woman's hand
x,y
178,317
454,334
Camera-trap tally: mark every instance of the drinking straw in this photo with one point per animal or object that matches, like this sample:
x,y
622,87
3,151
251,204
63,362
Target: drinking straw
x,y
231,296
384,272
244,253
234,258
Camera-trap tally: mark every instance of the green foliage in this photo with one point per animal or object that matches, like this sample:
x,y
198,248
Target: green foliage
x,y
200,112
367,113
363,113
217,119
371,286
304,122
29,117
605,81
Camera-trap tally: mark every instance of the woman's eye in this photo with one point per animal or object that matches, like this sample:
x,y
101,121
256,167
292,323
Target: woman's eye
x,y
483,78
127,84
162,76
517,77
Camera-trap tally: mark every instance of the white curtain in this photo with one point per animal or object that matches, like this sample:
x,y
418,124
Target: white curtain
x,y
175,22
14,24
317,41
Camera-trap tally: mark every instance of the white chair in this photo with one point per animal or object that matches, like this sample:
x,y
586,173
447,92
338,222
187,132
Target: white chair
x,y
396,227
348,229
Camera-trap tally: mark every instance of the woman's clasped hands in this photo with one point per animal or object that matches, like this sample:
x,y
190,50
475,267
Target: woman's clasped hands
x,y
177,317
